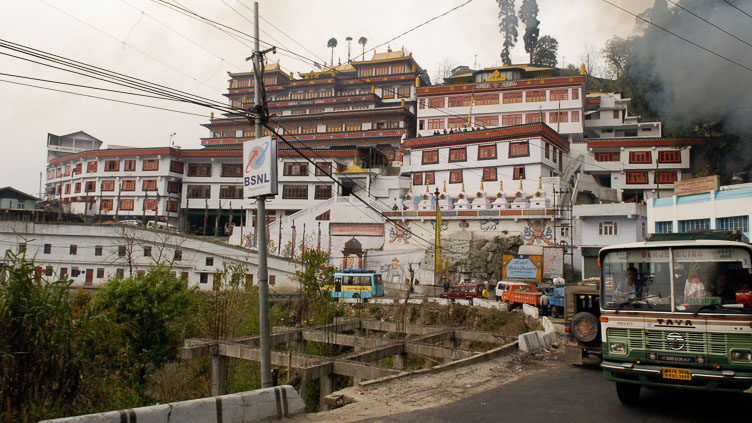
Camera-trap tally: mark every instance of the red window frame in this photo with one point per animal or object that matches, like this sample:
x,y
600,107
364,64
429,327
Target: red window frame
x,y
126,204
640,157
108,185
607,156
533,117
669,156
149,185
512,97
487,152
519,173
129,165
487,121
559,94
111,165
322,192
533,96
128,185
295,192
430,157
91,167
509,120
489,174
435,123
458,154
435,102
150,204
637,177
455,176
430,178
666,176
519,149
417,178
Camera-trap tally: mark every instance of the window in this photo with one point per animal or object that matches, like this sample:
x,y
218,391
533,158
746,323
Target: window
x,y
607,156
48,270
231,191
554,158
519,149
295,192
694,225
403,91
272,280
78,169
533,117
91,186
178,255
575,116
353,126
129,185
121,251
322,192
172,206
519,172
173,187
561,162
455,176
199,191
487,121
607,228
97,250
486,99
665,176
203,278
106,204
616,114
21,247
120,273
430,157
73,250
111,165
430,178
489,174
486,152
126,204
296,169
509,120
200,169
736,223
456,123
78,187
323,168
147,251
535,95
100,272
334,127
640,157
669,156
67,171
150,164
637,177
575,95
417,179
210,261
435,102
176,166
459,101
108,185
150,185
559,95
435,123
91,167
547,149
514,97
457,154
150,204
47,248
554,117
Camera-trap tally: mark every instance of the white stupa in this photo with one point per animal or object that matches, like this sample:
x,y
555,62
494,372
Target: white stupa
x,y
481,201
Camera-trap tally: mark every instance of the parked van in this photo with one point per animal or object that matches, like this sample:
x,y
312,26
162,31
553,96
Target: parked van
x,y
160,226
131,222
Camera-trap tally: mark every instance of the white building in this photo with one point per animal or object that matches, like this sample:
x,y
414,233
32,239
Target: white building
x,y
607,116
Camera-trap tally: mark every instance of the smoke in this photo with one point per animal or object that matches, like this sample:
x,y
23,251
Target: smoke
x,y
686,85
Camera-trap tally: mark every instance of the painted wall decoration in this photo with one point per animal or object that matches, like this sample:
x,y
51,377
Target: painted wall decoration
x,y
400,233
536,233
249,241
287,252
271,247
488,224
393,272
359,229
553,262
463,225
521,267
444,225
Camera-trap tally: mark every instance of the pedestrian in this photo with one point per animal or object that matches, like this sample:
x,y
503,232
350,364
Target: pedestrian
x,y
446,286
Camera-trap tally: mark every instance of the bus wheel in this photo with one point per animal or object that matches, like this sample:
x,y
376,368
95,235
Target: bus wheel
x,y
629,393
356,295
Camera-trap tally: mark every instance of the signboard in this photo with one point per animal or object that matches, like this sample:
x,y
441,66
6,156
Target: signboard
x,y
259,167
553,262
360,229
521,267
696,185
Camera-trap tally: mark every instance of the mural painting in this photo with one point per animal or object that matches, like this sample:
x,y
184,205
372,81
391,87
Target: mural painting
x,y
400,234
444,225
463,225
536,233
488,224
394,272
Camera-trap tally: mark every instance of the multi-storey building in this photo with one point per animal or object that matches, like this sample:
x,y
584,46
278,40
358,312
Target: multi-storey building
x,y
607,116
503,96
63,145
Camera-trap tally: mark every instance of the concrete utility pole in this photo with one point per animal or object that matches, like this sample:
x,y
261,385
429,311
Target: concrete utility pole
x,y
263,274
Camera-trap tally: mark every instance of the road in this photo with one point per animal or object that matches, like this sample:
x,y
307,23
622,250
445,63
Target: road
x,y
580,394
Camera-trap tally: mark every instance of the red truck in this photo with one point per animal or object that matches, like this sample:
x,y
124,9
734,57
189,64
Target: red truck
x,y
518,293
465,291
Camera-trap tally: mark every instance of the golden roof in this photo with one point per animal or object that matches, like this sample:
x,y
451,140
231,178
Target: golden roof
x,y
271,67
346,67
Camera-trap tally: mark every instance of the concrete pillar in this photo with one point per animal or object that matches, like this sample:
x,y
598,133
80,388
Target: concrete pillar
x,y
218,375
357,380
302,346
325,388
400,360
302,391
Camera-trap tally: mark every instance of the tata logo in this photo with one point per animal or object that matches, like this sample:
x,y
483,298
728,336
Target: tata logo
x,y
256,157
675,322
675,341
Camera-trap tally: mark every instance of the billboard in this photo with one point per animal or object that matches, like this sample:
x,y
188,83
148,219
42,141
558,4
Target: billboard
x,y
259,167
521,267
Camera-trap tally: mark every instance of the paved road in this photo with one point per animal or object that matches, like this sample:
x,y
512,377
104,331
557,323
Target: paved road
x,y
574,394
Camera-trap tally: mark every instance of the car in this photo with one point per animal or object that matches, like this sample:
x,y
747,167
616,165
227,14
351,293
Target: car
x,y
131,222
466,291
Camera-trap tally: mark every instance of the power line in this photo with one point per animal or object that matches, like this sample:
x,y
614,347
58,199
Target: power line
x,y
708,22
737,8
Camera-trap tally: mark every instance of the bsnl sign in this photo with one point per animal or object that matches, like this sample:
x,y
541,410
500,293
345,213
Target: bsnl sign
x,y
259,167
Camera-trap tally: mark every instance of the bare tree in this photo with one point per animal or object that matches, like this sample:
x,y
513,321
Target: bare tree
x,y
444,70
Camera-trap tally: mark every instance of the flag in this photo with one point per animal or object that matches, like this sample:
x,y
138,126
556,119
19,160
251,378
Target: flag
x,y
438,265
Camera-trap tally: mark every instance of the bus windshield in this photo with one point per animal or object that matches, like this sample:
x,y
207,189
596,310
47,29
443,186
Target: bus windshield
x,y
706,279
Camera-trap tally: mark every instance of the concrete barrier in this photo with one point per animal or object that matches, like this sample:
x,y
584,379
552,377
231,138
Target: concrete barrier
x,y
441,301
384,301
530,310
538,340
492,304
244,407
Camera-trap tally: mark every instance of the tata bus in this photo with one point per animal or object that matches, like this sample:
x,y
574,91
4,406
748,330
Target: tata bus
x,y
676,311
355,284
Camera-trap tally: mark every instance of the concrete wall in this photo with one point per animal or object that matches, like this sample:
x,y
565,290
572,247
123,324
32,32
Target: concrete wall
x,y
245,407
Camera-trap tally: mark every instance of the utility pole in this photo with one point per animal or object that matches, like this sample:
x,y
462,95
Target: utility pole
x,y
263,274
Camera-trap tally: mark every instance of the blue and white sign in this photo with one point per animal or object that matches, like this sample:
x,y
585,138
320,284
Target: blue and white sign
x,y
259,167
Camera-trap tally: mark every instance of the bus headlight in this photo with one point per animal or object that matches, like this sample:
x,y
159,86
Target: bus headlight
x,y
617,348
741,355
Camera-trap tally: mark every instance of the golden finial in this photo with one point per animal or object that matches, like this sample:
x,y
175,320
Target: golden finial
x,y
373,89
444,190
411,187
417,81
463,187
481,185
291,76
402,103
582,69
426,187
501,186
520,182
539,183
212,115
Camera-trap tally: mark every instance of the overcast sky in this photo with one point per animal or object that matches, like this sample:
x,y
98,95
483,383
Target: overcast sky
x,y
145,39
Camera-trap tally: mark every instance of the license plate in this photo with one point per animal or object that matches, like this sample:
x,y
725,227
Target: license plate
x,y
680,374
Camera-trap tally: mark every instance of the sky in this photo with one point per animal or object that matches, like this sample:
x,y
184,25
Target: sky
x,y
147,40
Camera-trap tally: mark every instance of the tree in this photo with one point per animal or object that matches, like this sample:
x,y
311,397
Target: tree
x,y
332,43
615,53
363,41
508,28
529,16
545,51
444,70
